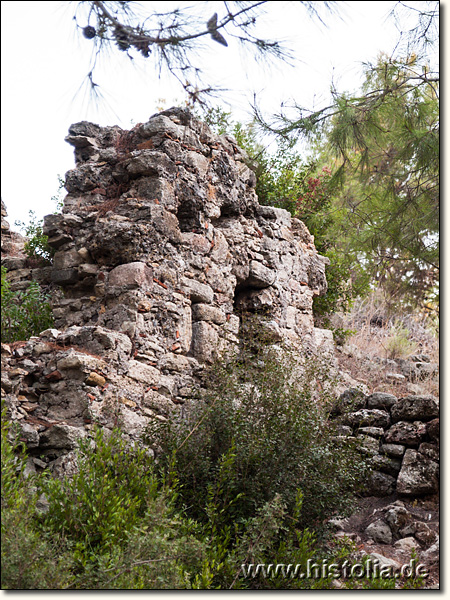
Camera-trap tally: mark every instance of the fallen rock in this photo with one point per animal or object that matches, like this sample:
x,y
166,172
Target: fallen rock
x,y
407,544
431,556
380,532
397,517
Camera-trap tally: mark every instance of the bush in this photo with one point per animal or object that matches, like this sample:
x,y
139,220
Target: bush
x,y
24,313
398,344
36,247
260,432
119,524
30,559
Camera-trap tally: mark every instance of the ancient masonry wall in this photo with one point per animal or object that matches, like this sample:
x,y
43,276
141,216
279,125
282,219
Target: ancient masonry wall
x,y
160,248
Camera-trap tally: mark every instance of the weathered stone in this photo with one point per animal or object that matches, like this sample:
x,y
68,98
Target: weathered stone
x,y
394,450
28,434
178,363
80,362
64,276
408,544
65,259
397,517
406,433
433,429
206,312
380,484
415,408
260,276
161,124
431,451
135,274
255,301
418,476
424,534
143,373
95,379
61,436
380,532
351,399
204,341
369,418
386,564
198,292
431,556
375,432
381,400
391,466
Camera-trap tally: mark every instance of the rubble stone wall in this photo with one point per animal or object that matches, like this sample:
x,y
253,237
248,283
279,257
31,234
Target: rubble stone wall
x,y
160,249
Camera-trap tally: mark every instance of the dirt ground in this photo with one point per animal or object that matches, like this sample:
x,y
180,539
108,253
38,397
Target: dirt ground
x,y
371,509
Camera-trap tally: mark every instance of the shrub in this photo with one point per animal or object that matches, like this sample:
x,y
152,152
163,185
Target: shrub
x,y
259,432
398,344
30,560
119,524
24,313
36,247
102,502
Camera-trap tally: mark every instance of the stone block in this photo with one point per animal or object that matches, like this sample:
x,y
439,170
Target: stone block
x,y
369,418
198,292
206,312
418,476
415,408
406,433
205,339
380,532
131,275
380,484
143,373
381,400
61,436
260,276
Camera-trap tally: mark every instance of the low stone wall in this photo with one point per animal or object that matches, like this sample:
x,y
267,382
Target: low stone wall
x,y
400,436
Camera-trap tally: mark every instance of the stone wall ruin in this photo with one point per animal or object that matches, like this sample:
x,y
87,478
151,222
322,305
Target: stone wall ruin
x,y
160,249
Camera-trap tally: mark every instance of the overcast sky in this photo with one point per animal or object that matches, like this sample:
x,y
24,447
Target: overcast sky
x,y
44,63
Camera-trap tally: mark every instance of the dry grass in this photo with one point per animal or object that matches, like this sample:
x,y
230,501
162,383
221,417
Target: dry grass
x,y
380,337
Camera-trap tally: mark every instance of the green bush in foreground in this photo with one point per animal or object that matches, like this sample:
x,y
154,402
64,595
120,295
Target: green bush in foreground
x,y
30,559
262,432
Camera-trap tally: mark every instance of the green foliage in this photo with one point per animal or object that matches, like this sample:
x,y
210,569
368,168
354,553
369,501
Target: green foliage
x,y
36,247
105,497
120,527
25,312
29,559
383,146
58,197
261,430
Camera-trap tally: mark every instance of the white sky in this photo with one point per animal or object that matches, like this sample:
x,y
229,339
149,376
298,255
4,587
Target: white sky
x,y
44,62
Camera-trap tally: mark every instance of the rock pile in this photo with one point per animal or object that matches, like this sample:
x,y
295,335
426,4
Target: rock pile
x,y
400,437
